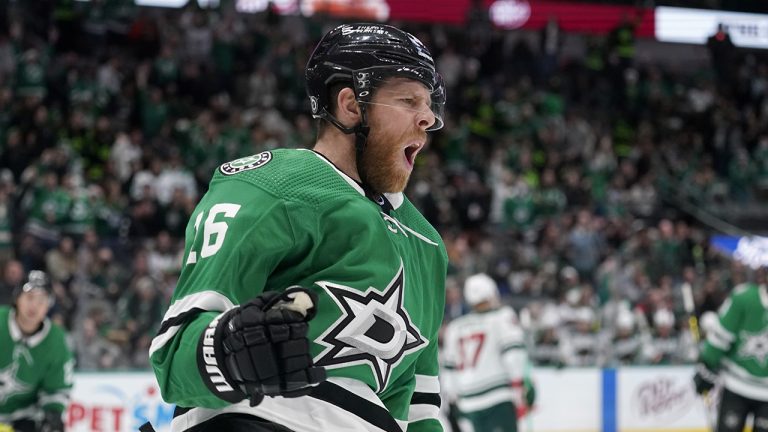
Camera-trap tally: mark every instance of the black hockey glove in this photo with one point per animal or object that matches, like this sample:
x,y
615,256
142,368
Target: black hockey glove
x,y
704,379
52,422
261,349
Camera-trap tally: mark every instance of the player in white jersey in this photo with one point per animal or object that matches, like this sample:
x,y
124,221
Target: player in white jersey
x,y
485,359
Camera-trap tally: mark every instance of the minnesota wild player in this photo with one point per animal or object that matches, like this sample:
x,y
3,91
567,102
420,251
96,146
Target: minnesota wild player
x,y
313,290
35,361
736,352
485,360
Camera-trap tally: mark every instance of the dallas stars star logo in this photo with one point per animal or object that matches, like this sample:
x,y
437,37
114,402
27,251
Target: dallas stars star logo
x,y
373,329
755,346
9,385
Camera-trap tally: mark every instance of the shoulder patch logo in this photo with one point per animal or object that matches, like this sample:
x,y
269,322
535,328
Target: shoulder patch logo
x,y
246,163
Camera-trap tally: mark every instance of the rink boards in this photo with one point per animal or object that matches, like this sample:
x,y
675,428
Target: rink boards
x,y
631,399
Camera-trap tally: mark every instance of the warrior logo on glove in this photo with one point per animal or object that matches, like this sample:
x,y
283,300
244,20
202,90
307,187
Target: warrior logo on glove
x,y
261,348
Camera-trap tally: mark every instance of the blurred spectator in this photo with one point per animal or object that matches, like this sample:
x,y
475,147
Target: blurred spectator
x,y
550,43
140,311
93,351
667,346
7,216
48,208
547,347
61,262
722,54
625,347
583,346
174,176
164,257
454,300
13,276
585,245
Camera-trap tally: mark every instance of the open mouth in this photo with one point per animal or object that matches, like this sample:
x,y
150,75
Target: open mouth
x,y
410,153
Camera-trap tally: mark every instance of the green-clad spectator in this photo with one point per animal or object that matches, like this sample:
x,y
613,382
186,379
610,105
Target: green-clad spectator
x,y
110,207
615,202
165,69
31,75
83,88
153,112
667,252
48,209
224,48
141,310
82,213
550,200
742,174
520,208
91,144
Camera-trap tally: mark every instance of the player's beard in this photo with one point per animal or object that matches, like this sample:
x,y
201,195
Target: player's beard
x,y
382,164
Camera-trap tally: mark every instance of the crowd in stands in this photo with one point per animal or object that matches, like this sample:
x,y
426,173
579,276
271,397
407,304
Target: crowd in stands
x,y
556,176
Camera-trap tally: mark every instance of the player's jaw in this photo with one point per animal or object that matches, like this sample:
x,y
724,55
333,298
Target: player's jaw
x,y
389,157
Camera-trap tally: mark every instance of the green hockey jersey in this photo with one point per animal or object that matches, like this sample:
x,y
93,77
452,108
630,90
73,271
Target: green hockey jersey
x,y
290,217
35,371
738,343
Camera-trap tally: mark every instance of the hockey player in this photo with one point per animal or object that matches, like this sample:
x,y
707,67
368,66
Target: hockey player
x,y
736,351
302,264
35,361
485,359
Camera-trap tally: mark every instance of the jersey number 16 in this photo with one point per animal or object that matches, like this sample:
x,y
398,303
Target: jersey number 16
x,y
213,232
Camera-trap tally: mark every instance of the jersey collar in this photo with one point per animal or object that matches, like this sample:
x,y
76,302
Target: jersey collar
x,y
395,199
17,335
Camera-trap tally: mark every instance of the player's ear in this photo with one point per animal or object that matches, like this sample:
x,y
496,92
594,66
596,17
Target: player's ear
x,y
349,109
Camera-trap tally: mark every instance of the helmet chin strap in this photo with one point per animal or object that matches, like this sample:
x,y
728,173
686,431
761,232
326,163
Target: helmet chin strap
x,y
361,131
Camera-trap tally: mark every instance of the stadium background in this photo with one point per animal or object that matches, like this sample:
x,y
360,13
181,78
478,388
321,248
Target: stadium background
x,y
593,167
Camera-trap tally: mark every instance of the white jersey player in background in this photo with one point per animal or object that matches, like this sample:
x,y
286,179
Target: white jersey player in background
x,y
485,360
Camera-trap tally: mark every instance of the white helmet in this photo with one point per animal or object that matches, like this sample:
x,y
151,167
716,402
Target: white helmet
x,y
663,318
625,320
550,317
480,288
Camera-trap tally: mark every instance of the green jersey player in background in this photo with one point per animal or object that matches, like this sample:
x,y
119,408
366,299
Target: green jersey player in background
x,y
35,361
312,290
736,353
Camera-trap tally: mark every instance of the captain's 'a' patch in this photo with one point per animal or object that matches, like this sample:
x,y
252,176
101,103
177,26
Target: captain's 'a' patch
x,y
373,329
246,163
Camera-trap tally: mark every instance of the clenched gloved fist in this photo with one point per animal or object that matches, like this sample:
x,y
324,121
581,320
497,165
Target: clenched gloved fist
x,y
704,379
261,348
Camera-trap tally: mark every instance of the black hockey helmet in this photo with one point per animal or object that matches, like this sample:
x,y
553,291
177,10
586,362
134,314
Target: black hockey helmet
x,y
363,55
36,280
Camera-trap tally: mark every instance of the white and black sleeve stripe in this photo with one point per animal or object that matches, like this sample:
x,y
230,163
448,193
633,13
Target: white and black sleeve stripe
x,y
186,309
425,401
